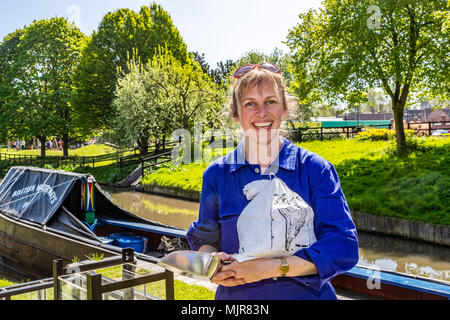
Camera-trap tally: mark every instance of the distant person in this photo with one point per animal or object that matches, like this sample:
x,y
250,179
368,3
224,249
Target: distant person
x,y
259,103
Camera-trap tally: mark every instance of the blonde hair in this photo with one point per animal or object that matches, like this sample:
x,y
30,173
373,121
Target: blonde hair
x,y
256,77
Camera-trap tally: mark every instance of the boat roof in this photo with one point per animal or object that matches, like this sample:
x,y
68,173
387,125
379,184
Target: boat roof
x,y
35,194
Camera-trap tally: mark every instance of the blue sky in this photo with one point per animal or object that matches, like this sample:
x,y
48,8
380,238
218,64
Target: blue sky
x,y
221,29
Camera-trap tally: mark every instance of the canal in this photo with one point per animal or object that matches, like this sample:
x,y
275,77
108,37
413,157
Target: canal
x,y
375,250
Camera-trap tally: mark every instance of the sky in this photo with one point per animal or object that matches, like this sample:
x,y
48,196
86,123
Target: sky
x,y
221,29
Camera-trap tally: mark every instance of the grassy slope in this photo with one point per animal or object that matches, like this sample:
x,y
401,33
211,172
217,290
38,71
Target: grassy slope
x,y
373,179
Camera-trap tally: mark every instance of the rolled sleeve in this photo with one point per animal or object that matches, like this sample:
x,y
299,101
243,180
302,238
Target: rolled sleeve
x,y
206,230
336,248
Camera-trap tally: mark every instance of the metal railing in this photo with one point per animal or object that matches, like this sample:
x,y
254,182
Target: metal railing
x,y
95,288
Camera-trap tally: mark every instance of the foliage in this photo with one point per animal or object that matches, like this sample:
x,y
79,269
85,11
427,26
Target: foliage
x,y
161,96
413,187
374,134
345,47
121,35
38,64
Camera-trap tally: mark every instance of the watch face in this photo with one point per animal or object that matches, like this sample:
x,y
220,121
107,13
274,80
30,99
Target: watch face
x,y
284,267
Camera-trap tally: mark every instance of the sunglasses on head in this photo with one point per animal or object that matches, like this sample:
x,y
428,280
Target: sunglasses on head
x,y
249,67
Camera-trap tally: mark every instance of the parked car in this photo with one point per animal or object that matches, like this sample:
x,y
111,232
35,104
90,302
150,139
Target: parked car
x,y
439,132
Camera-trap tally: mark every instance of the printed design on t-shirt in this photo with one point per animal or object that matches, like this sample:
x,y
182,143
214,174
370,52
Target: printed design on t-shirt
x,y
294,214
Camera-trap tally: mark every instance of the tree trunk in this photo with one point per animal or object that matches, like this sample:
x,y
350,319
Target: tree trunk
x,y
43,141
65,145
397,108
143,144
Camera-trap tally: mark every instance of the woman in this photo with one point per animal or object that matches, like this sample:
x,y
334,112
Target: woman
x,y
259,103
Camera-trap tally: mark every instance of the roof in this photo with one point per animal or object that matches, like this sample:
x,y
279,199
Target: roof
x,y
35,194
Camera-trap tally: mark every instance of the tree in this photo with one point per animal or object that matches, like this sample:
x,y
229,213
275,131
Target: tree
x,y
37,84
120,35
346,47
8,54
154,99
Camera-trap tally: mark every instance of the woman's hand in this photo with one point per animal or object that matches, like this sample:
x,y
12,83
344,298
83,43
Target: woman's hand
x,y
253,270
226,277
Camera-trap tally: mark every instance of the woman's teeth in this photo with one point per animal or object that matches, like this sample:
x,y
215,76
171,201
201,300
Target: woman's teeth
x,y
262,124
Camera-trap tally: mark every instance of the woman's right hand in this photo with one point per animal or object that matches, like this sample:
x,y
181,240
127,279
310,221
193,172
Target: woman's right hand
x,y
226,278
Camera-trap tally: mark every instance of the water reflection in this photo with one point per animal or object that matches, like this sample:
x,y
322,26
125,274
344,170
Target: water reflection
x,y
383,252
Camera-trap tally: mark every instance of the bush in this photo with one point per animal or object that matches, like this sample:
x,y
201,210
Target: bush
x,y
373,134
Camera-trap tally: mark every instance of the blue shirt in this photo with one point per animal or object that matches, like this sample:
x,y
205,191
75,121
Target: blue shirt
x,y
316,181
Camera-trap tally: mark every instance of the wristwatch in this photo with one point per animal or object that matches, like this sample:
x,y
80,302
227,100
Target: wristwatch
x,y
284,268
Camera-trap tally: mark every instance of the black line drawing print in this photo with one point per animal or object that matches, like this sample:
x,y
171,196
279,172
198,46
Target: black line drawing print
x,y
294,215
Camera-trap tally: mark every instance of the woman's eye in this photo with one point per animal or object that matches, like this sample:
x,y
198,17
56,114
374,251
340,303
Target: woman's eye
x,y
249,104
271,102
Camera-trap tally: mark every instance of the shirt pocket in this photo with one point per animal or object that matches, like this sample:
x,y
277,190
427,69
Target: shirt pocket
x,y
229,241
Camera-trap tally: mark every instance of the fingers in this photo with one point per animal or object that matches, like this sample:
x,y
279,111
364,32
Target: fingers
x,y
231,282
222,275
223,256
226,278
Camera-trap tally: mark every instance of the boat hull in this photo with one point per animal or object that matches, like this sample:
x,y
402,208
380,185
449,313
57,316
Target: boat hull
x,y
30,249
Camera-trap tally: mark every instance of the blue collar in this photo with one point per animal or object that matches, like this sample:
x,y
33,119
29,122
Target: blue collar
x,y
286,158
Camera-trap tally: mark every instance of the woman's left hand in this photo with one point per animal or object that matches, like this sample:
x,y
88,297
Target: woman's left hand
x,y
253,270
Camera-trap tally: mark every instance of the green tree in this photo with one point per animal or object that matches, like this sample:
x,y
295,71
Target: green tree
x,y
346,47
163,95
120,35
8,54
37,85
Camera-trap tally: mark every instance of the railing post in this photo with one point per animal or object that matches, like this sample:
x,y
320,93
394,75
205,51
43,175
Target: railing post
x,y
94,286
57,271
169,282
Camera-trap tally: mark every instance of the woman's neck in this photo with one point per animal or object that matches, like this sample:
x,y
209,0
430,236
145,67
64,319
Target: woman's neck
x,y
262,154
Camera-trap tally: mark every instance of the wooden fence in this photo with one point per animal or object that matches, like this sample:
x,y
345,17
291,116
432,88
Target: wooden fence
x,y
322,133
111,159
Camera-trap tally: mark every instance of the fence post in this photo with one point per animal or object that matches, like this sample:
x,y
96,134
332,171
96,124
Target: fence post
x,y
429,128
57,271
94,286
93,162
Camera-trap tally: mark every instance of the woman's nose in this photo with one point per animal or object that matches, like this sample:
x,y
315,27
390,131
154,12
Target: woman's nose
x,y
261,109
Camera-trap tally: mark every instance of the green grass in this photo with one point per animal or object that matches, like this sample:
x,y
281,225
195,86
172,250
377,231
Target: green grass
x,y
101,173
183,291
86,151
373,177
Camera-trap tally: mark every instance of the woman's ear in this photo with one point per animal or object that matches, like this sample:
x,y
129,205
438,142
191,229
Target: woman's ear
x,y
235,115
285,111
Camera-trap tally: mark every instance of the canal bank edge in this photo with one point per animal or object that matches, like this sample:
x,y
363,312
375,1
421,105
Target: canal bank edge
x,y
415,230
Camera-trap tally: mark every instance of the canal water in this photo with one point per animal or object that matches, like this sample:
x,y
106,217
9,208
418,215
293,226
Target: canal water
x,y
375,250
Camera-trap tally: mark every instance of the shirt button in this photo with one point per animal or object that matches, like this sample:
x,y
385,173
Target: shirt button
x,y
256,170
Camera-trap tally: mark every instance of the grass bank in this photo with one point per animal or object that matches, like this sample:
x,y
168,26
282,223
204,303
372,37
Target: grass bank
x,y
373,177
183,291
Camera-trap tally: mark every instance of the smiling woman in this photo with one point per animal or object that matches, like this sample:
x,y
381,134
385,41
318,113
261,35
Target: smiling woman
x,y
275,211
259,104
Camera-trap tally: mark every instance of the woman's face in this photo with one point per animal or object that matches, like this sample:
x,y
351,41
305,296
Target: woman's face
x,y
261,112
